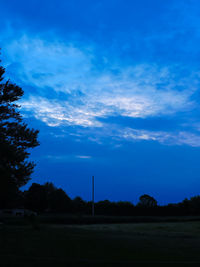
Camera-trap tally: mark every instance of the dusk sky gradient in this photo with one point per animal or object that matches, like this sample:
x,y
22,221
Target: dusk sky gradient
x,y
114,88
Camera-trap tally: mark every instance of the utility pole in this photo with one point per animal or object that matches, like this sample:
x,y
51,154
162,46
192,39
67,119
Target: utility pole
x,y
92,195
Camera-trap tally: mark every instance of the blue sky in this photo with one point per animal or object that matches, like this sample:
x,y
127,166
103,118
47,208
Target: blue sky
x,y
113,87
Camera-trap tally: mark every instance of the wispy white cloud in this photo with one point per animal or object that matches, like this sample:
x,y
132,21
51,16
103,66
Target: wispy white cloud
x,y
139,91
60,113
48,64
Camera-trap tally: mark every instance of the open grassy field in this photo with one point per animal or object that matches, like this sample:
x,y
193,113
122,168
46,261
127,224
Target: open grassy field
x,y
139,244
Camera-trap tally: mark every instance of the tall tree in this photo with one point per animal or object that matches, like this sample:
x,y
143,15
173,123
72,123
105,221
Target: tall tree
x,y
15,141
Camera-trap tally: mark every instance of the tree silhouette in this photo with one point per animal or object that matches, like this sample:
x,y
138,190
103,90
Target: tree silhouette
x,y
15,141
147,201
47,198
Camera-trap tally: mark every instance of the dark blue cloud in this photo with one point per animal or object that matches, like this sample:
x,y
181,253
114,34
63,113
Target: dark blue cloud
x,y
135,31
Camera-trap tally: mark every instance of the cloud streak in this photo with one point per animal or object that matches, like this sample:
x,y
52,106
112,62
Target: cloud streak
x,y
167,138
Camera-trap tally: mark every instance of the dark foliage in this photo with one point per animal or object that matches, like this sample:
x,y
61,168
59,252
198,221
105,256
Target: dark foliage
x,y
147,201
79,206
15,141
47,198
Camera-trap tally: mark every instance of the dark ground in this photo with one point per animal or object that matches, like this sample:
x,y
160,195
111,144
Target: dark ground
x,y
136,244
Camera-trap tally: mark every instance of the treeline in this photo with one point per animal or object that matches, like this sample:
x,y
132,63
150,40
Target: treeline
x,y
47,198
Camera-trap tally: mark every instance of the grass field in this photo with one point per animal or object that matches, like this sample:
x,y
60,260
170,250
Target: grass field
x,y
141,244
